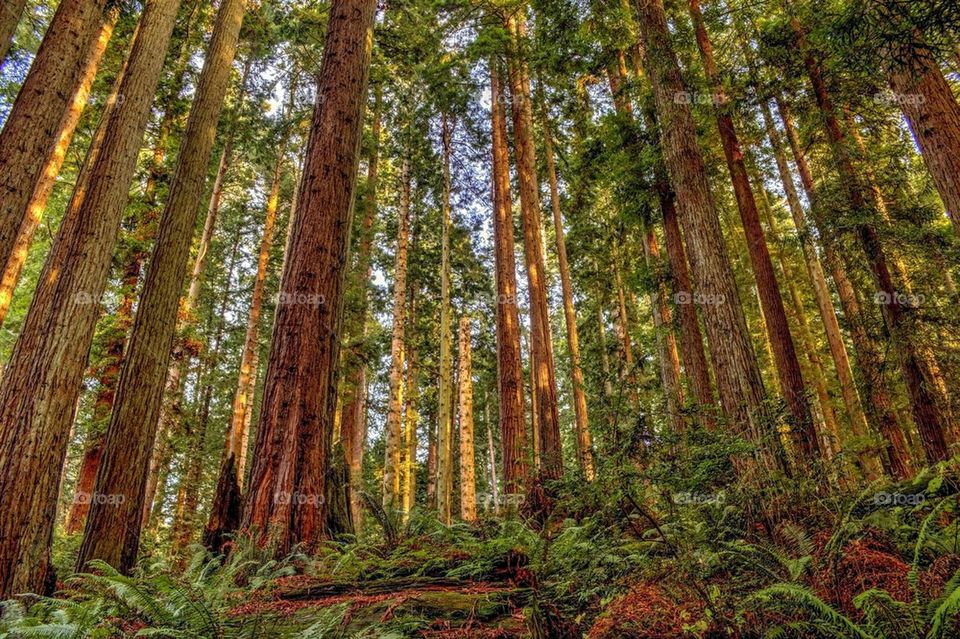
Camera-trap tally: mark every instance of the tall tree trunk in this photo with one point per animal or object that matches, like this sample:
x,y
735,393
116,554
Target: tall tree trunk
x,y
92,451
391,463
226,511
932,424
113,533
352,425
10,14
468,480
932,111
108,370
691,340
33,124
224,518
513,434
831,441
492,457
432,467
828,316
734,363
659,300
445,412
172,392
666,343
411,418
584,446
778,329
43,377
51,168
866,350
542,361
292,451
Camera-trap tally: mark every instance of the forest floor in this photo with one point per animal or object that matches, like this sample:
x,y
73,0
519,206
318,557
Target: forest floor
x,y
431,607
614,560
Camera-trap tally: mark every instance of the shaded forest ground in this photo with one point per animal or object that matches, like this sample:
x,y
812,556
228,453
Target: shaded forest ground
x,y
686,556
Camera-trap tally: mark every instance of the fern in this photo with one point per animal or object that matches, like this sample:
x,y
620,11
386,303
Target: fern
x,y
802,598
947,609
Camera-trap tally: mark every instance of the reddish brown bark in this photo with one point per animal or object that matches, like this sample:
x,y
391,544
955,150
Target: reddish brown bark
x,y
584,445
513,434
778,329
928,103
543,370
9,19
42,380
292,452
925,404
92,451
51,168
734,363
113,531
33,124
879,408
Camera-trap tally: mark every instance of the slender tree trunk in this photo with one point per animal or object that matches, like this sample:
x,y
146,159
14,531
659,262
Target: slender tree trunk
x,y
584,446
394,430
352,425
738,376
411,419
432,468
832,442
42,380
33,125
225,511
292,451
10,13
543,370
113,533
828,316
666,343
932,424
468,481
866,350
778,329
224,518
51,168
492,454
445,411
513,435
172,392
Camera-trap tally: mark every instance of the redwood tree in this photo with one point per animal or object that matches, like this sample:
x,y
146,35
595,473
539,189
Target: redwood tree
x,y
43,376
513,433
292,451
